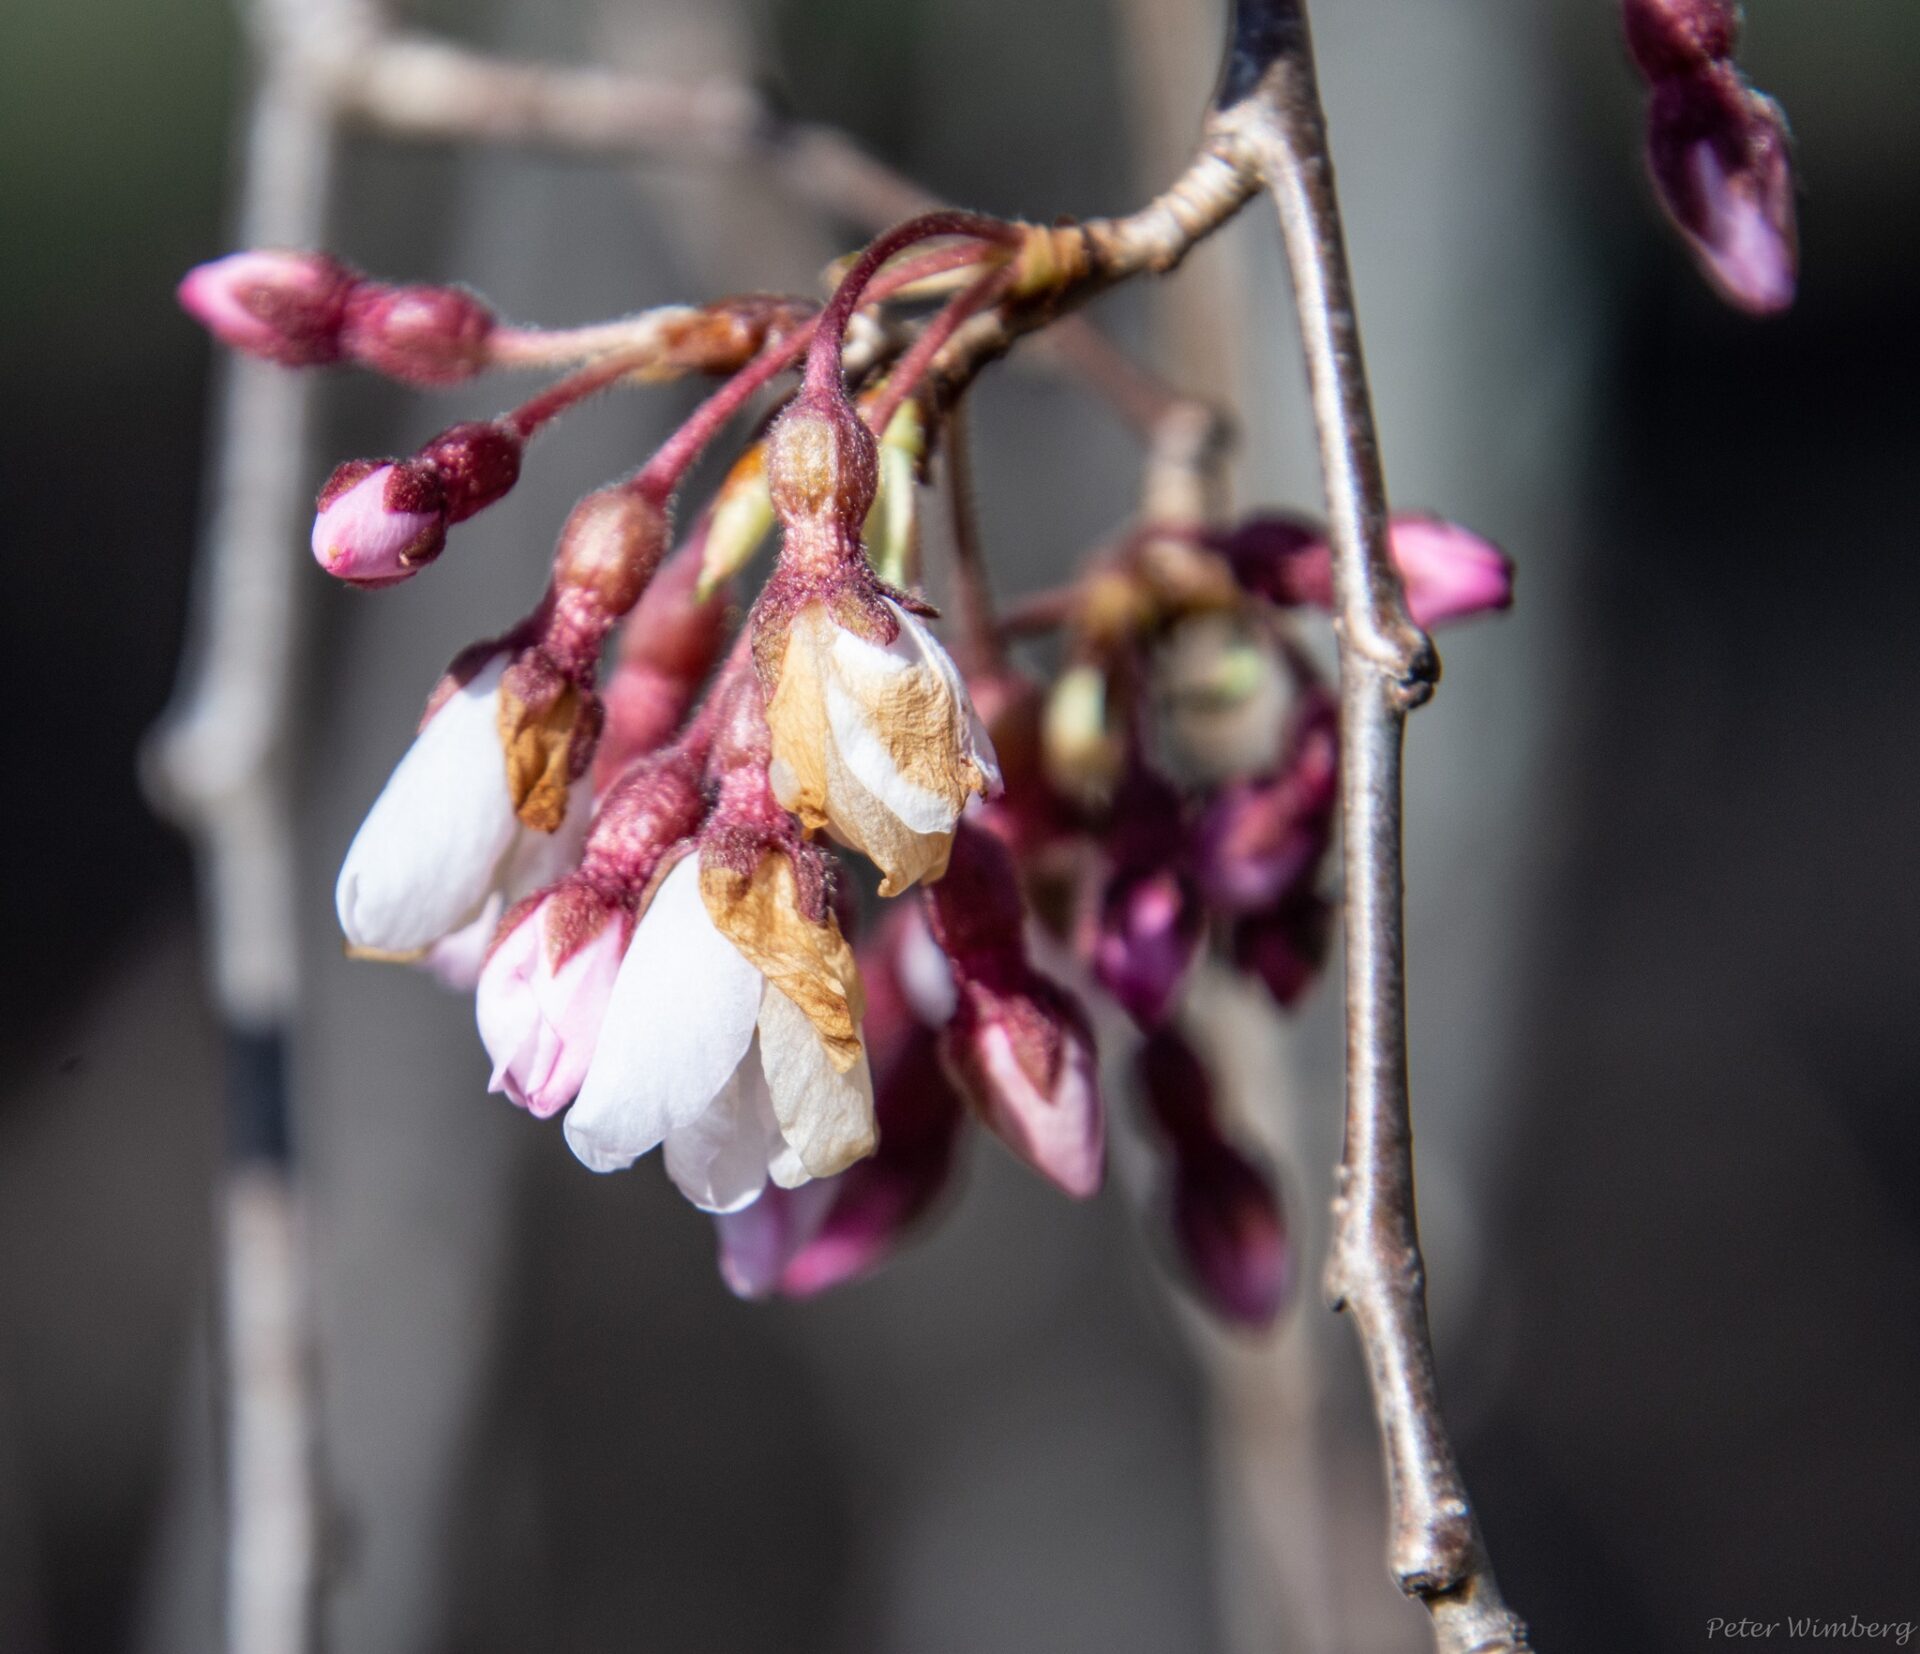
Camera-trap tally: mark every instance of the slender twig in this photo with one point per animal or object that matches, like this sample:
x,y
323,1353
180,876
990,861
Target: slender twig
x,y
982,648
1269,99
217,766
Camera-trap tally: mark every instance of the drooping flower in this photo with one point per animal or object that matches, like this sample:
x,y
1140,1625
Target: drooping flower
x,y
873,733
706,1052
441,839
877,741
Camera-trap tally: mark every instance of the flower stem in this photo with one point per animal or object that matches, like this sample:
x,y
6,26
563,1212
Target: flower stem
x,y
1271,104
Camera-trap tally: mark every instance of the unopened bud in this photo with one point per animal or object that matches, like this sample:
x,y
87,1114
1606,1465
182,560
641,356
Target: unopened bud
x,y
378,524
284,306
609,548
423,335
1449,572
1717,151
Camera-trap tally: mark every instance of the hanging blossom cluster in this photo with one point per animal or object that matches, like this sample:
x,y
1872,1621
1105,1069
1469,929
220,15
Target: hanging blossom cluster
x,y
633,824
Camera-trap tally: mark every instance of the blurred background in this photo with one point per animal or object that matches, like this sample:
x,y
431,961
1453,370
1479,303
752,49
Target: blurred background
x,y
1663,895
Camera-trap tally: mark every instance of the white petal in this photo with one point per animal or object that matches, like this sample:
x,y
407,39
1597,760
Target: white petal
x,y
719,1162
540,859
678,1022
924,972
826,1116
425,859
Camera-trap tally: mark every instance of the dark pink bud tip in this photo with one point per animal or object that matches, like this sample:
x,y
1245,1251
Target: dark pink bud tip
x,y
477,462
424,335
1286,946
1718,155
1231,1233
1671,37
379,523
1150,927
286,307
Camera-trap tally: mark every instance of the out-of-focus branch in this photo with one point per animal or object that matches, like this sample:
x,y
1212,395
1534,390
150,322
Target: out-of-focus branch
x,y
216,765
1270,101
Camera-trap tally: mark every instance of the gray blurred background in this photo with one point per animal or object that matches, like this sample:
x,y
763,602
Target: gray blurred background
x,y
1663,896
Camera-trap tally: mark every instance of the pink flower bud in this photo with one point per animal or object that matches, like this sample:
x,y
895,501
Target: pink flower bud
x,y
1671,37
1021,1049
1149,932
286,307
1018,1045
1449,572
1258,839
543,995
1223,1211
1718,155
1232,1235
423,335
1285,946
377,524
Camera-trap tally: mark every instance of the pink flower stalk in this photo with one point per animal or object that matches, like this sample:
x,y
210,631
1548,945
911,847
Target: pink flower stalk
x,y
668,645
377,522
1223,1210
287,307
1450,573
422,335
1256,840
1285,945
543,995
1019,1046
1151,920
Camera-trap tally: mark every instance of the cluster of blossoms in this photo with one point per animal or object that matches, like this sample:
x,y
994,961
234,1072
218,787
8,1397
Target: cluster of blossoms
x,y
632,828
1716,149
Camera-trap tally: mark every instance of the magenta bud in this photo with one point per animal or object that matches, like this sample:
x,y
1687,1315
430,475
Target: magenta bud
x,y
1020,1048
1149,932
1231,1234
477,462
1718,155
375,524
1259,839
1673,37
287,307
423,335
1286,945
1450,573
